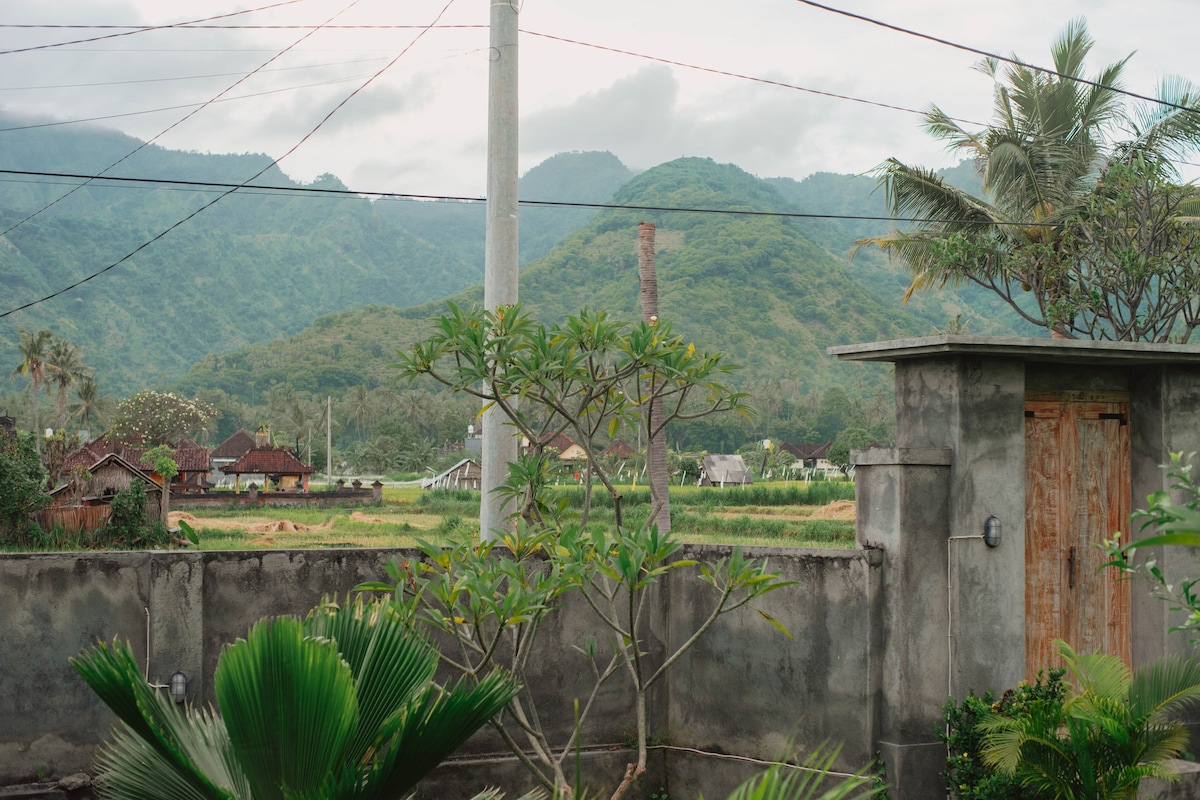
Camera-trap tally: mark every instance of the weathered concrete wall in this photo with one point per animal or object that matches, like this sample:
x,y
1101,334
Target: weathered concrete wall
x,y
746,688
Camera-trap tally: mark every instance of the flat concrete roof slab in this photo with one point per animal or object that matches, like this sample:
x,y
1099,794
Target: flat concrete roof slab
x,y
1073,351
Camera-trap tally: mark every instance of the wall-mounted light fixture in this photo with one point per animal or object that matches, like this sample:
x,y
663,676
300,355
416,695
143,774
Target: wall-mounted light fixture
x,y
177,685
992,531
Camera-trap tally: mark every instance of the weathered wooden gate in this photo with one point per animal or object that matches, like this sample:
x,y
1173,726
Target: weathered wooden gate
x,y
1077,494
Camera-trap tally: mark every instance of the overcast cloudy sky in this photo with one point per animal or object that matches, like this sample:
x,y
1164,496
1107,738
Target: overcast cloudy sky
x,y
420,127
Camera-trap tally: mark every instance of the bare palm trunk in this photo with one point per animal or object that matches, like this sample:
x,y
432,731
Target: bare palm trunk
x,y
656,445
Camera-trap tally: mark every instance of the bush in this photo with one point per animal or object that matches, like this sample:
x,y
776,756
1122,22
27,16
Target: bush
x,y
128,526
967,777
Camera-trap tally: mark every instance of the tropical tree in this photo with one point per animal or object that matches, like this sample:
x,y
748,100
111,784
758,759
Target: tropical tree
x,y
1115,728
65,367
340,705
1058,139
22,482
167,468
34,348
150,418
91,406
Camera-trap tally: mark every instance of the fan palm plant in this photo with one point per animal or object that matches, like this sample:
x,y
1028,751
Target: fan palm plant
x,y
1115,728
339,705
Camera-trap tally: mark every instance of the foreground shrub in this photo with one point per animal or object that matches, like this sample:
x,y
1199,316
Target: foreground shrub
x,y
341,705
967,776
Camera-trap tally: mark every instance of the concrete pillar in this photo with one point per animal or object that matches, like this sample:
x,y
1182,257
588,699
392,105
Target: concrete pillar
x,y
903,511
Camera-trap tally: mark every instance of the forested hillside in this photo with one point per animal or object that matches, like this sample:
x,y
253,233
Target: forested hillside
x,y
750,285
254,266
269,302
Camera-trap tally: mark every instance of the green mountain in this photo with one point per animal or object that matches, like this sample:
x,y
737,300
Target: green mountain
x,y
254,266
754,286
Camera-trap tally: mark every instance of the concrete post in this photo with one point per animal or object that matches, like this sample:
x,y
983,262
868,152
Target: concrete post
x,y
500,261
903,499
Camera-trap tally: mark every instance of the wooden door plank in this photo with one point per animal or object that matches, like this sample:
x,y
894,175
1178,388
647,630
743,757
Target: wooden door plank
x,y
1043,498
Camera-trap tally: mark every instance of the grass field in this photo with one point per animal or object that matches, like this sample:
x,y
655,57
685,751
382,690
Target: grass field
x,y
819,515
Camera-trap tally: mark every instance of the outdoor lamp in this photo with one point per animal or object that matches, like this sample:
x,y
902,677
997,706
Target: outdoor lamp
x,y
991,531
177,686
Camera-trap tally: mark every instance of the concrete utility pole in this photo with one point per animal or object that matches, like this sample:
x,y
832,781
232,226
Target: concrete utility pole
x,y
500,261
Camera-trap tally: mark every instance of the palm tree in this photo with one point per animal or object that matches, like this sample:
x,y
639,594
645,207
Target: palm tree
x,y
1047,149
34,347
64,363
341,705
92,406
1115,728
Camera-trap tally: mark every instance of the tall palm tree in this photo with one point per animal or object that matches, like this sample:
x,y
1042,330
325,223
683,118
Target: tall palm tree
x,y
1049,145
34,348
64,365
341,705
91,407
1115,728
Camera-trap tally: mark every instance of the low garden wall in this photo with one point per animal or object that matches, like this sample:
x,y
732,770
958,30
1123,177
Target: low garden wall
x,y
745,689
224,499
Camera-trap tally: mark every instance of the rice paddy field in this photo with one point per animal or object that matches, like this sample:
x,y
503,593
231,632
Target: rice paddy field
x,y
819,514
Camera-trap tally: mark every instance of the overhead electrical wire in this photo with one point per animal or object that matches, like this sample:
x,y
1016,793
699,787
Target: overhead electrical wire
x,y
257,175
184,77
217,98
254,188
424,29
1006,59
146,29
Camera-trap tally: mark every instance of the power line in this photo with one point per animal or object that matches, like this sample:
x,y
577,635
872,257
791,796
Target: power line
x,y
200,26
235,187
197,105
727,74
146,29
185,77
142,145
254,188
1006,59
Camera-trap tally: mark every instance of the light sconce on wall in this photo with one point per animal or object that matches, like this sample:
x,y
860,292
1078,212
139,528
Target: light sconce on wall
x,y
177,686
992,531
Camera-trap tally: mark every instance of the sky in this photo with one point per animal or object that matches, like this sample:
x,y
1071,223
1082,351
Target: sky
x,y
420,126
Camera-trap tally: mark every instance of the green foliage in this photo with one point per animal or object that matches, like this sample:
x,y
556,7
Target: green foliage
x,y
591,376
1082,229
847,440
341,705
1176,524
1114,729
588,375
808,780
967,776
128,526
22,486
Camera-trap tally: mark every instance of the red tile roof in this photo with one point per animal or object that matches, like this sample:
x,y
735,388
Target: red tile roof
x,y
235,446
191,458
270,461
618,448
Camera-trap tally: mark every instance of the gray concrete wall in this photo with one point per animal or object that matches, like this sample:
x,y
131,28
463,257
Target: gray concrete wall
x,y
746,689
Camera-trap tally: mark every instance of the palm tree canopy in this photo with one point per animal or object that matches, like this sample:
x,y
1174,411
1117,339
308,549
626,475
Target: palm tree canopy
x,y
1054,138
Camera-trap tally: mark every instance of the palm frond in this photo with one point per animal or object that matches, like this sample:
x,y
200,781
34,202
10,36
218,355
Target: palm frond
x,y
289,705
390,663
423,734
163,728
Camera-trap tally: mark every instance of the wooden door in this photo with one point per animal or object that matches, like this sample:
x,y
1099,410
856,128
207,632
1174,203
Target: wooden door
x,y
1076,496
